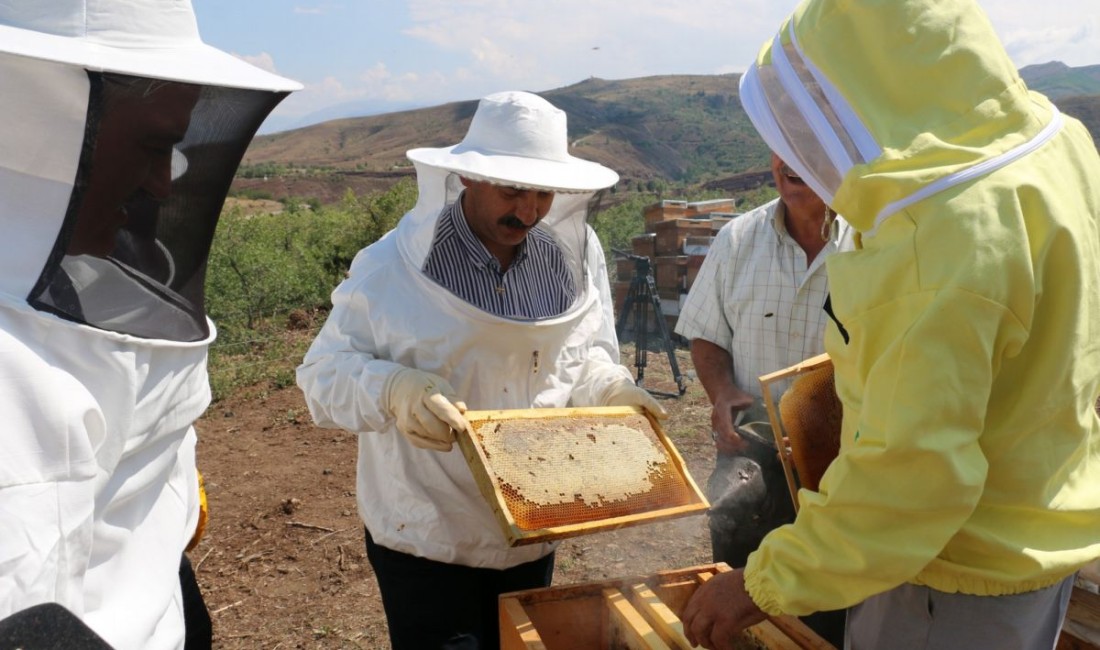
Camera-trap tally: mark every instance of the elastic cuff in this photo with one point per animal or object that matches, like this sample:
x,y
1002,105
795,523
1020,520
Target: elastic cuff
x,y
757,590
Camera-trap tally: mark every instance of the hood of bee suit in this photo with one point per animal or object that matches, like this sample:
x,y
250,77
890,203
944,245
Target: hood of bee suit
x,y
879,105
62,64
514,139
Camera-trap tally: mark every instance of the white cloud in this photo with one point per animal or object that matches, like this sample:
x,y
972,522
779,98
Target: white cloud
x,y
1072,45
1039,32
375,75
447,50
263,60
541,45
376,84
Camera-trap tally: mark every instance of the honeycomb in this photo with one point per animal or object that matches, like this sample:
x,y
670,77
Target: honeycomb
x,y
811,414
563,470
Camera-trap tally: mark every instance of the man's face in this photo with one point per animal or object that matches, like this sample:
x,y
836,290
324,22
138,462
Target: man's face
x,y
133,155
793,191
501,216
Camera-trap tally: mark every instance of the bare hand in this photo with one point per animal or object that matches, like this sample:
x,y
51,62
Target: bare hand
x,y
719,610
723,417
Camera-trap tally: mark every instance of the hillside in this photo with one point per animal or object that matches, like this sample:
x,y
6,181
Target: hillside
x,y
683,129
1085,108
680,128
1058,80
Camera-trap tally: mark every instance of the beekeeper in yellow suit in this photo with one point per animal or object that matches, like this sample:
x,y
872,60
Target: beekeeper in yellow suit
x,y
966,336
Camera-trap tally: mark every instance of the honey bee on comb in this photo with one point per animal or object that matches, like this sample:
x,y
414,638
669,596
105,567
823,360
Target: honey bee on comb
x,y
811,414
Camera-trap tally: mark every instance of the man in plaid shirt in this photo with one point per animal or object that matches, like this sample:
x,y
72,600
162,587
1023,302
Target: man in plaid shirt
x,y
757,307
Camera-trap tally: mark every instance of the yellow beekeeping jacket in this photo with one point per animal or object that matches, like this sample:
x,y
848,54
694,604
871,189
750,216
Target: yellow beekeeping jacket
x,y
967,323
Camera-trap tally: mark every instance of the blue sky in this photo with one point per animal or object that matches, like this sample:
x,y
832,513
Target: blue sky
x,y
359,57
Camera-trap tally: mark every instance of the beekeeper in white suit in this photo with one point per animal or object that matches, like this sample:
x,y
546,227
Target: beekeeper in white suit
x,y
119,134
491,293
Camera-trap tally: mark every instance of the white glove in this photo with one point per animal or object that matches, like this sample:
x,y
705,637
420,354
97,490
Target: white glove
x,y
626,393
426,408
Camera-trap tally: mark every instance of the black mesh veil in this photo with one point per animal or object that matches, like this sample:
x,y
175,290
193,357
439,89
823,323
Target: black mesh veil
x,y
146,277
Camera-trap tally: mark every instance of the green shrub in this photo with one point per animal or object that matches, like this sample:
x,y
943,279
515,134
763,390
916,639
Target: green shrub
x,y
267,268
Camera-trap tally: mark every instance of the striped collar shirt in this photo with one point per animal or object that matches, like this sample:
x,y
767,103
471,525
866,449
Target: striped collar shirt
x,y
536,285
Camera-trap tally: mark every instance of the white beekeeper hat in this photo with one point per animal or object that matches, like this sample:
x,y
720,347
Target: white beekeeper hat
x,y
518,138
158,39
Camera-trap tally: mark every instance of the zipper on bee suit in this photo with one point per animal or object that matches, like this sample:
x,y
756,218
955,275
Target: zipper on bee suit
x,y
532,377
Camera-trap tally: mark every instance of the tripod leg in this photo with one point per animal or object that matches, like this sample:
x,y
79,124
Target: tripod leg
x,y
634,311
662,329
641,332
628,302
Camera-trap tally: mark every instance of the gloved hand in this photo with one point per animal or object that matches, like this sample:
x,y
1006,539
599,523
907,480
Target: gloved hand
x,y
426,408
626,393
204,515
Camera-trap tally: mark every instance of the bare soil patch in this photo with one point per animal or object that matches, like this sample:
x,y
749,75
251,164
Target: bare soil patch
x,y
282,564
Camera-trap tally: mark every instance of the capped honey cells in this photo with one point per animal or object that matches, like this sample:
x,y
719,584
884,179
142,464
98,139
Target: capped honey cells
x,y
572,469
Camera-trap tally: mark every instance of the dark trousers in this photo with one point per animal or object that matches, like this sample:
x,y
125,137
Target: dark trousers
x,y
196,618
433,604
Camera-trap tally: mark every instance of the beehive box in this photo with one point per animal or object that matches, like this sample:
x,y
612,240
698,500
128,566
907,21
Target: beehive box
x,y
710,207
644,244
669,271
555,473
696,245
664,211
624,270
636,613
672,234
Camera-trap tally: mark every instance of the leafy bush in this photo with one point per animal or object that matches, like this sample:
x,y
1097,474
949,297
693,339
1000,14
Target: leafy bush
x,y
254,194
267,268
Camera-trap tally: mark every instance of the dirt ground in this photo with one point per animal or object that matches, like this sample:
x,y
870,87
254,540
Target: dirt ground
x,y
282,564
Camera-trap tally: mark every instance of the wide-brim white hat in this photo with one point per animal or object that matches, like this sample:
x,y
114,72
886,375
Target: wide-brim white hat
x,y
158,39
519,139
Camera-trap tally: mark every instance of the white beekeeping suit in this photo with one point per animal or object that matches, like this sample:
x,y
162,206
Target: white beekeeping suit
x,y
389,315
103,331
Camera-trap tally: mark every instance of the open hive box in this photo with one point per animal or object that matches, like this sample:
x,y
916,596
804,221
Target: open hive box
x,y
555,473
640,613
805,418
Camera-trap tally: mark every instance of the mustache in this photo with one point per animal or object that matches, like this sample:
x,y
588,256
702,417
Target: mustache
x,y
512,221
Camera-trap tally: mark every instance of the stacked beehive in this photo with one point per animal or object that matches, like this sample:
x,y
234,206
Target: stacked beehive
x,y
676,239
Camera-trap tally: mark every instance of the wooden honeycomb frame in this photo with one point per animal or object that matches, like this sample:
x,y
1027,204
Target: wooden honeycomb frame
x,y
672,494
771,402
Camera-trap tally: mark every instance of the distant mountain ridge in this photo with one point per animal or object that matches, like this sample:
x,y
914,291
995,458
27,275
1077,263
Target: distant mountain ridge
x,y
683,128
1058,80
687,129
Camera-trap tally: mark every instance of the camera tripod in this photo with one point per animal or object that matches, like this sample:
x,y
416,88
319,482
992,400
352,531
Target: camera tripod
x,y
639,298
